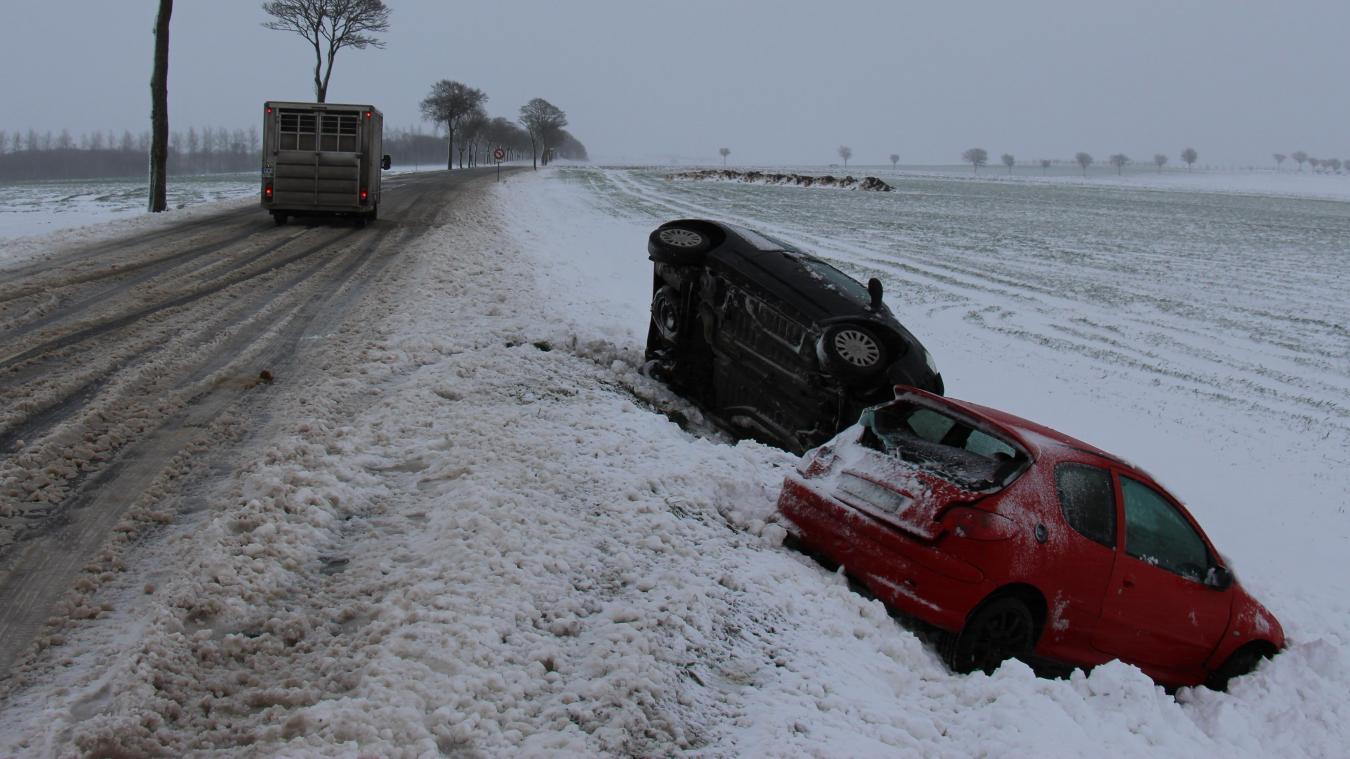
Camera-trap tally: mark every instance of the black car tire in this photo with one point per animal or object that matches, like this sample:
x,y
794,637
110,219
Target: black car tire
x,y
1000,630
1242,662
852,351
678,244
667,314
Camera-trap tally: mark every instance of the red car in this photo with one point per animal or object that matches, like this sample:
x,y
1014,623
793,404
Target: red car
x,y
1020,541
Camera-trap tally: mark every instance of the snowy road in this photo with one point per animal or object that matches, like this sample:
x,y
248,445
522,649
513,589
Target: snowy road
x,y
122,362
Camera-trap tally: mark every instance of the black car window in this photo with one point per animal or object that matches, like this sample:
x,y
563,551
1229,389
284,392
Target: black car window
x,y
1087,500
943,444
1157,533
834,279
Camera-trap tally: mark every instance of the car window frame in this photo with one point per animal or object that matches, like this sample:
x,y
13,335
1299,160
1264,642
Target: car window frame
x,y
1123,531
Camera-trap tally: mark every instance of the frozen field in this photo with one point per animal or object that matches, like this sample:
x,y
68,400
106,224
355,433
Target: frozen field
x,y
466,532
36,208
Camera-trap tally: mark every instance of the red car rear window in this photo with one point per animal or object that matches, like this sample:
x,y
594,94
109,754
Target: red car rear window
x,y
965,453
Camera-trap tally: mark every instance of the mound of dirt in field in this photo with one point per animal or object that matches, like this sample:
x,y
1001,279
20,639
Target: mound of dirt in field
x,y
872,184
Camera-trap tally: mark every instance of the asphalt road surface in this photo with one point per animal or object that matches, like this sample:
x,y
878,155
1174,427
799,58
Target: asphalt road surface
x,y
124,367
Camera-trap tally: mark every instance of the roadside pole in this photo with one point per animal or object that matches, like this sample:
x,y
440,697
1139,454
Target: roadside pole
x,y
498,155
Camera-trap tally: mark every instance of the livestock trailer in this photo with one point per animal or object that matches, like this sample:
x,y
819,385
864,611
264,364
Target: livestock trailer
x,y
322,159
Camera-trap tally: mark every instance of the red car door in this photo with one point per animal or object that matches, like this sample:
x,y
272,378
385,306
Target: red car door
x,y
1158,611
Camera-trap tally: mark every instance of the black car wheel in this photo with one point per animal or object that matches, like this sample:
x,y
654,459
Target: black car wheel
x,y
1240,663
1001,630
680,245
667,314
852,350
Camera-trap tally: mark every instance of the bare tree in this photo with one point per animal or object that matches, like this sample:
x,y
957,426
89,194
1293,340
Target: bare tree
x,y
1083,160
1314,163
1279,160
570,147
895,161
1009,161
976,157
1189,156
450,103
543,121
1299,157
724,153
845,152
1120,161
503,133
1159,160
159,111
1045,164
329,26
471,133
1334,164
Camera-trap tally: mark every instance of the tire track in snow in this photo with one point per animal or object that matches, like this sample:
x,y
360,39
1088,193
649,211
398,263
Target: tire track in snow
x,y
166,400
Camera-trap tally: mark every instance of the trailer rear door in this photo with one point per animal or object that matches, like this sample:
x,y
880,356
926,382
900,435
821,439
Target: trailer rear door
x,y
318,161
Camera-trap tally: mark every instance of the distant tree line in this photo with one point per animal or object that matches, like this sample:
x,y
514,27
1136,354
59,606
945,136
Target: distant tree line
x,y
1319,165
978,157
473,135
33,155
28,155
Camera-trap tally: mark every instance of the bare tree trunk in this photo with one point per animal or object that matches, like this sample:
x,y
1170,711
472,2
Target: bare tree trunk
x,y
450,149
159,111
327,75
318,69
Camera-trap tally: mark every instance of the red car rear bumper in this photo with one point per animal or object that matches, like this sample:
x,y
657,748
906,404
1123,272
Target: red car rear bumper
x,y
908,575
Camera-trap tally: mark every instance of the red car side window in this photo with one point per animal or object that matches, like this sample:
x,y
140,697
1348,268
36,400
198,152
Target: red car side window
x,y
1087,500
1157,533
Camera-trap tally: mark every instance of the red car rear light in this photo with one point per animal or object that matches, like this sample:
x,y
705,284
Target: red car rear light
x,y
817,462
978,524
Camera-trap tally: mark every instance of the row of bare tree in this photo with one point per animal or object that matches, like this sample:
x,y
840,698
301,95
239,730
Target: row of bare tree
x,y
474,135
978,157
30,155
1319,165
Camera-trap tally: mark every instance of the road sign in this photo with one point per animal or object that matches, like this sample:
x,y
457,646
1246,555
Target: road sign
x,y
499,154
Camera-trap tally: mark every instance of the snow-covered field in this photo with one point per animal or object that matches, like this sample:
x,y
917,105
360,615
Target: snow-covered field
x,y
467,532
29,209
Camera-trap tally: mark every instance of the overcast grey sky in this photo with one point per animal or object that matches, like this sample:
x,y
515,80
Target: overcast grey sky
x,y
777,82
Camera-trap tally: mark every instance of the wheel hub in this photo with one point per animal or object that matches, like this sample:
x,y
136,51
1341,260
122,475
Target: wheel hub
x,y
681,238
857,348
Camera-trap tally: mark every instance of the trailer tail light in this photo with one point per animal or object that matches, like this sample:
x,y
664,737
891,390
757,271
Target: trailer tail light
x,y
269,109
368,114
267,191
365,195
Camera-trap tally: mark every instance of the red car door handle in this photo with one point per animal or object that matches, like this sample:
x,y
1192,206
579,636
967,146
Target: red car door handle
x,y
1128,582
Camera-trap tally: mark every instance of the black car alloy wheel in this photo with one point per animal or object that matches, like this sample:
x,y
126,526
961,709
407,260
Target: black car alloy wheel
x,y
680,237
678,244
1004,629
852,350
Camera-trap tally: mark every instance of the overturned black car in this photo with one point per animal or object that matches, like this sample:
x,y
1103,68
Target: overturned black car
x,y
774,343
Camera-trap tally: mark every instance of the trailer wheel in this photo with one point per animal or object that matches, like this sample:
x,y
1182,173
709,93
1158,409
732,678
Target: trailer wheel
x,y
279,218
361,221
375,212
